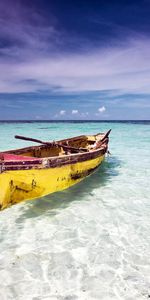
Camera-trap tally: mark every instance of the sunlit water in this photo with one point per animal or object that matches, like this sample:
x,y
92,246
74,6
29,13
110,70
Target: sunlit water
x,y
91,241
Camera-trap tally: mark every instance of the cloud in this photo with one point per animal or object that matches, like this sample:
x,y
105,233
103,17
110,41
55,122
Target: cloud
x,y
24,30
74,111
84,114
32,60
62,112
102,109
126,70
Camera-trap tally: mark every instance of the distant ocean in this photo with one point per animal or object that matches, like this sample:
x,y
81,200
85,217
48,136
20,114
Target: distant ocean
x,y
91,241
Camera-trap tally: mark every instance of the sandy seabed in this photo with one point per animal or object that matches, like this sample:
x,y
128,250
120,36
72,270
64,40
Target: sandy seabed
x,y
88,242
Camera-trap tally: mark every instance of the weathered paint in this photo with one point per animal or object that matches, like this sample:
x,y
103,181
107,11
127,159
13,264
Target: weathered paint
x,y
35,171
20,185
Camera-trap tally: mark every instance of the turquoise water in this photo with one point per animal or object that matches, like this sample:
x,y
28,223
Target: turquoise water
x,y
91,241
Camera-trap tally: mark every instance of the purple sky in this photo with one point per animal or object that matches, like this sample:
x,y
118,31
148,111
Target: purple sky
x,y
61,60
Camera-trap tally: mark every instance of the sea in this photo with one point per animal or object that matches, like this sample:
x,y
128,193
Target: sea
x,y
91,241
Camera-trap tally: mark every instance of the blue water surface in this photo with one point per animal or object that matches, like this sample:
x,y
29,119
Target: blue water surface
x,y
88,242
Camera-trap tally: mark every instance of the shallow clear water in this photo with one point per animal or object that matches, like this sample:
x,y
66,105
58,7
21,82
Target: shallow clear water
x,y
91,241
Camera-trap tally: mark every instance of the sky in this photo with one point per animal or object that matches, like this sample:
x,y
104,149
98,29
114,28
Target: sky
x,y
75,60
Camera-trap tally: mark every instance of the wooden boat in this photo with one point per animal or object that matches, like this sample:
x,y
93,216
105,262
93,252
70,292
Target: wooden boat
x,y
36,171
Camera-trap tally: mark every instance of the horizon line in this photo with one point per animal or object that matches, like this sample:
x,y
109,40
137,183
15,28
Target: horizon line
x,y
90,120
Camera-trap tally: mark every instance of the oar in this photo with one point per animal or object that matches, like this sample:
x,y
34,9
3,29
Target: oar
x,y
99,143
50,143
106,135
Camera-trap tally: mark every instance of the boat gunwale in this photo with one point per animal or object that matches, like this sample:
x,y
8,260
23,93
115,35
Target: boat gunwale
x,y
40,159
50,161
42,146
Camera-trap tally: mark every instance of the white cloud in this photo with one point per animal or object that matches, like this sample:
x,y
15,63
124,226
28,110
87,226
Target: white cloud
x,y
74,111
62,112
124,69
102,109
84,114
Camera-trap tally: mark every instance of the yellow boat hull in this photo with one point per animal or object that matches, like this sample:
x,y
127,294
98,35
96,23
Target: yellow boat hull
x,y
19,185
36,171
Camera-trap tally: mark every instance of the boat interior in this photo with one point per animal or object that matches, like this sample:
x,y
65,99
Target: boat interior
x,y
64,147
